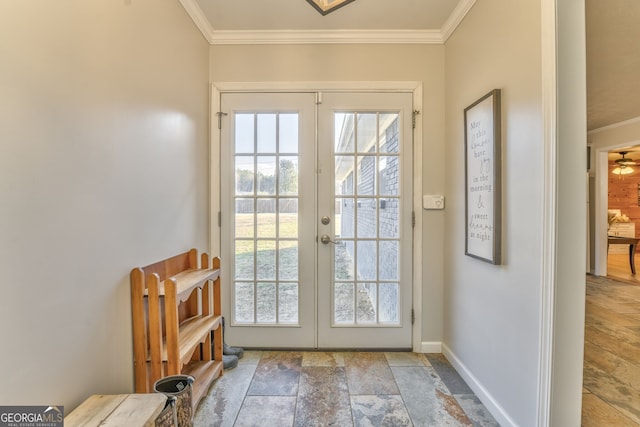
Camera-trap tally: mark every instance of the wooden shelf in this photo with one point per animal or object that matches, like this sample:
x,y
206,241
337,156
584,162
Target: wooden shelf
x,y
191,333
175,308
204,373
189,280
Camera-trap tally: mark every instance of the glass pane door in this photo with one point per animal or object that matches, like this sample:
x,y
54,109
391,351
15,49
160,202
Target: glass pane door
x,y
266,218
270,244
316,227
364,262
367,228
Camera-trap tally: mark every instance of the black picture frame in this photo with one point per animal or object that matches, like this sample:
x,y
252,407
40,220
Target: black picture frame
x,y
483,180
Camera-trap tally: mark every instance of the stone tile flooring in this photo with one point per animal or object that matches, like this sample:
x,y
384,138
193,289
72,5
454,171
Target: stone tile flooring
x,y
341,389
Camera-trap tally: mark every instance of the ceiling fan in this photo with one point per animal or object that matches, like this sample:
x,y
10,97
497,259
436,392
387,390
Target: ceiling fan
x,y
623,165
624,161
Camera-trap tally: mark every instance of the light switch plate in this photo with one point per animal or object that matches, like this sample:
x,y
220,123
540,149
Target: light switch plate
x,y
433,201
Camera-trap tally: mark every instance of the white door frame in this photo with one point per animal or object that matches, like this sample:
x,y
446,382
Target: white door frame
x,y
601,163
562,300
214,166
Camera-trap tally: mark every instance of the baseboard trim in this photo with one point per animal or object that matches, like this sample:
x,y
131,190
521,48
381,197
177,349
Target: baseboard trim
x,y
483,394
431,347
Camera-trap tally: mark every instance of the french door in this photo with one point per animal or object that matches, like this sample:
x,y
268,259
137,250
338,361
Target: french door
x,y
316,219
364,189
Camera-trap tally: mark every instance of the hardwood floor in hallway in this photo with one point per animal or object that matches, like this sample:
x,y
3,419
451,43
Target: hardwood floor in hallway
x,y
618,268
285,388
612,348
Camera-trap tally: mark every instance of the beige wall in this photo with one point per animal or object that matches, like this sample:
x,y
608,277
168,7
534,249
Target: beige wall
x,y
491,326
103,167
357,63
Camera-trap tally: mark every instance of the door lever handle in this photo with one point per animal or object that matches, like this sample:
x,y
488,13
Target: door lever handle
x,y
325,239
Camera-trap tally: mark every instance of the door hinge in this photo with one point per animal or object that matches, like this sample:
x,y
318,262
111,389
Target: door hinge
x,y
220,114
413,118
413,316
219,219
413,219
318,98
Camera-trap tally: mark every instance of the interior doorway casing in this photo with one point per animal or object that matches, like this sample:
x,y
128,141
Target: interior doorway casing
x,y
601,162
215,179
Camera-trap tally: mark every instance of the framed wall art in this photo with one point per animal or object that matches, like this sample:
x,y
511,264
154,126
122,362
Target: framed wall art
x,y
482,166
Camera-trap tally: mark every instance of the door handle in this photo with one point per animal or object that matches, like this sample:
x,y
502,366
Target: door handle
x,y
325,239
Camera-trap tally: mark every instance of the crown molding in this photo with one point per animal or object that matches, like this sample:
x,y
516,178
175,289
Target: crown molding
x,y
462,8
238,37
328,37
198,17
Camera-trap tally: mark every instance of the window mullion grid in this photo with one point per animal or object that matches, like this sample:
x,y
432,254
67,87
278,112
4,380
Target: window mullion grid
x,y
255,218
356,195
277,218
377,192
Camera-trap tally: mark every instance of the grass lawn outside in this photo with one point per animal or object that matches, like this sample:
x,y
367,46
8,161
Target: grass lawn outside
x,y
273,289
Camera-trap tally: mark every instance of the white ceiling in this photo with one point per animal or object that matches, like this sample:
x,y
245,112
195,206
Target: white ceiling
x,y
296,21
613,61
300,15
613,36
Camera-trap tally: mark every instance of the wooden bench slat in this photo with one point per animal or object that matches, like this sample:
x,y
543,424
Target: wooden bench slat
x,y
133,410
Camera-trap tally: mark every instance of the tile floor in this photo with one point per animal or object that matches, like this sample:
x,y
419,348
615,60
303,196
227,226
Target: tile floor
x,y
341,389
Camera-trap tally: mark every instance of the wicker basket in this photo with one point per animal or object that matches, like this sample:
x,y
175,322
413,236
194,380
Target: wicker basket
x,y
180,387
